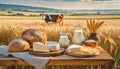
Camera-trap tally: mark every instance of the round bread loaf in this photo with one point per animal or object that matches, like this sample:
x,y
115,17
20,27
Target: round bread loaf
x,y
32,35
18,45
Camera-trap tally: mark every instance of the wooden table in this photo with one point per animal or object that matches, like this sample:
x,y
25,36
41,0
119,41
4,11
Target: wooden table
x,y
64,60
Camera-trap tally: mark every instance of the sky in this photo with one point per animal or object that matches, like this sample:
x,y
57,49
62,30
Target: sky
x,y
67,4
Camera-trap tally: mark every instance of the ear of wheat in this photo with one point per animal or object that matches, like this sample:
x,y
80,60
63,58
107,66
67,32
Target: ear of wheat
x,y
93,26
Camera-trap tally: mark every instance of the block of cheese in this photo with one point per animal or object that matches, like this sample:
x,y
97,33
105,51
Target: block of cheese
x,y
53,46
38,46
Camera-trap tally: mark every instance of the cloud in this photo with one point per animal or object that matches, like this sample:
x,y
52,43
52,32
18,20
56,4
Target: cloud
x,y
64,4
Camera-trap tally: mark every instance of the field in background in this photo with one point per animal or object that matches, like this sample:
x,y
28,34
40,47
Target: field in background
x,y
11,27
26,19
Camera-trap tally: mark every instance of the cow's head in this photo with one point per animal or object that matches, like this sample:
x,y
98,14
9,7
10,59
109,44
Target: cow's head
x,y
61,16
43,16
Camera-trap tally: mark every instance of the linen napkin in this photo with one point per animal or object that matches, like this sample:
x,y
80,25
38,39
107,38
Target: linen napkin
x,y
37,62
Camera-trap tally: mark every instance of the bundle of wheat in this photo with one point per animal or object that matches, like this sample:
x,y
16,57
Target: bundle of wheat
x,y
93,26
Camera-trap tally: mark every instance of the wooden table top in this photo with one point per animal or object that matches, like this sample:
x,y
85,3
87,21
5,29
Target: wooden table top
x,y
102,59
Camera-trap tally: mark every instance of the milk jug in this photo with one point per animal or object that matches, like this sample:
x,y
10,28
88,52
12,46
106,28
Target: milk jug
x,y
64,40
78,36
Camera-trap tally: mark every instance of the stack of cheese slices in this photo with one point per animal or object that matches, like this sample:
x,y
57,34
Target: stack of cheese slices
x,y
82,50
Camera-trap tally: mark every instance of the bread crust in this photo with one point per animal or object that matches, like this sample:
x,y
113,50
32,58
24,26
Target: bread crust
x,y
32,35
18,45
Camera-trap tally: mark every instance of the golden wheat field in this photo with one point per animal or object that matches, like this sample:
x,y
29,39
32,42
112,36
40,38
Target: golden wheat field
x,y
109,34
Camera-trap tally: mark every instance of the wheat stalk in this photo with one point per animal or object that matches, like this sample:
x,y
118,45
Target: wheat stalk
x,y
93,26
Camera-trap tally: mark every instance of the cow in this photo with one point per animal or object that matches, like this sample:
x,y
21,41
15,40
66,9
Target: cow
x,y
52,18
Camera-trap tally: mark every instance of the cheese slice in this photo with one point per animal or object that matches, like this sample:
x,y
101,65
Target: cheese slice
x,y
37,46
84,50
74,48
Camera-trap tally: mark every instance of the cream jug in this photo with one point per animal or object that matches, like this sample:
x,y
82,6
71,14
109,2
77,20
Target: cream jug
x,y
64,40
78,36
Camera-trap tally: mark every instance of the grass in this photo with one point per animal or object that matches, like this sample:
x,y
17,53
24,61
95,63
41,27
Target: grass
x,y
109,33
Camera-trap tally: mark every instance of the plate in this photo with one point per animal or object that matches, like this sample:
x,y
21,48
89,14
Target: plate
x,y
81,55
55,53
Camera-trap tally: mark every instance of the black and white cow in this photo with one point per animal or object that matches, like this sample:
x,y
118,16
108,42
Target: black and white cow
x,y
53,18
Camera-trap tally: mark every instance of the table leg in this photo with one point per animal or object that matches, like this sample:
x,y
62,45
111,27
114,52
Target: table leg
x,y
98,67
88,67
3,67
91,67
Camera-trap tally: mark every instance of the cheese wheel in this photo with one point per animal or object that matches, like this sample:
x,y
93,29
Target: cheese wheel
x,y
53,46
18,45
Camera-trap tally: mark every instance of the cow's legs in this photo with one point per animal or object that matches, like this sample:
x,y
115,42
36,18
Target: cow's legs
x,y
50,22
61,23
47,22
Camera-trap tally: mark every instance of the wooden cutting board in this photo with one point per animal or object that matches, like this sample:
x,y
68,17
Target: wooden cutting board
x,y
55,53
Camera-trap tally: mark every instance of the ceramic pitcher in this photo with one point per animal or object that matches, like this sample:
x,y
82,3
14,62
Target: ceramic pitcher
x,y
78,36
64,40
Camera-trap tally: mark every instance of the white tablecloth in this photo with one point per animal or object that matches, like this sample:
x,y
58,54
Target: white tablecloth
x,y
37,62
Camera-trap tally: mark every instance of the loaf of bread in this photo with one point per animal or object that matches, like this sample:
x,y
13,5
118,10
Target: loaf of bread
x,y
18,45
32,35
